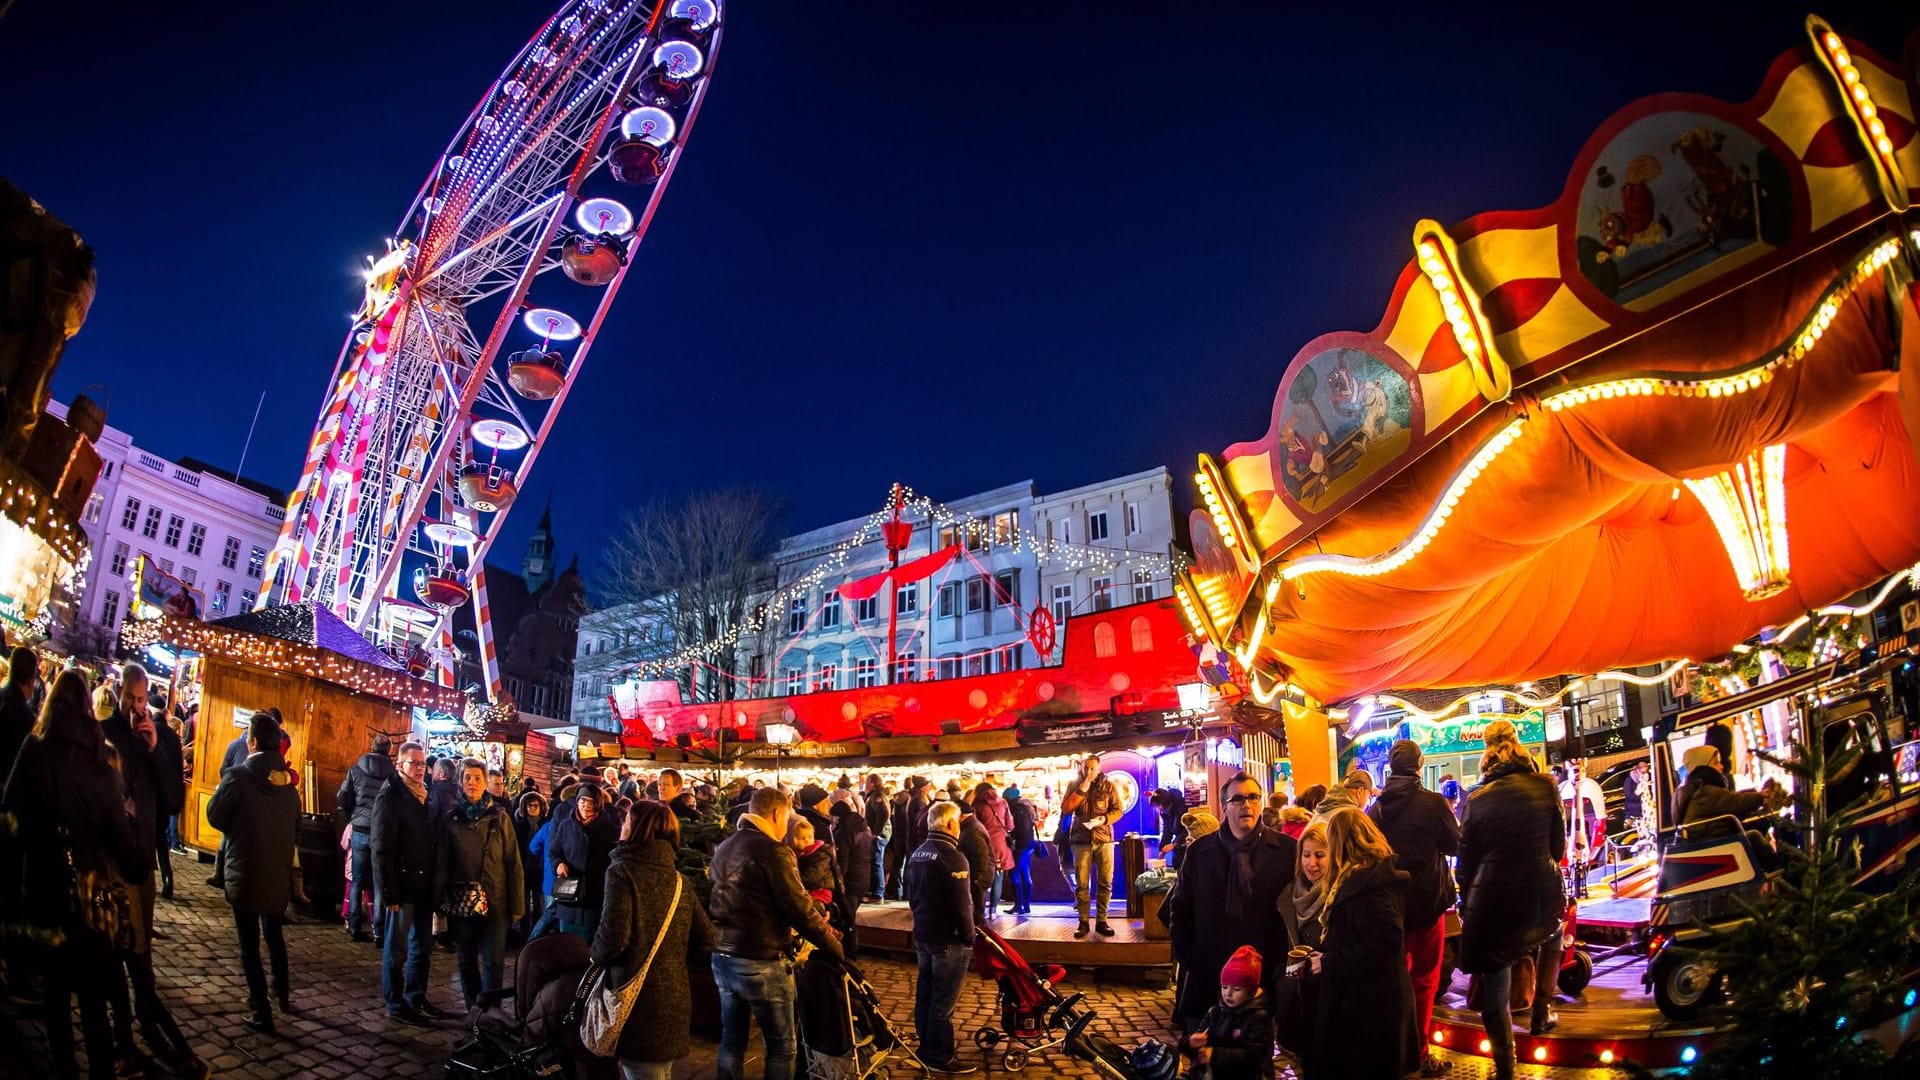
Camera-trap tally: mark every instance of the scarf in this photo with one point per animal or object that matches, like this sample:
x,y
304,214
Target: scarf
x,y
473,811
1240,856
418,788
1309,899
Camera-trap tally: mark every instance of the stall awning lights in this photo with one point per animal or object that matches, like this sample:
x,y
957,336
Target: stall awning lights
x,y
1748,505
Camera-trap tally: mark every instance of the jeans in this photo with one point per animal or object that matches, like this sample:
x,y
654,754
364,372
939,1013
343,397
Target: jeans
x,y
547,923
1496,990
249,927
581,922
1424,949
1021,877
943,968
645,1070
362,883
481,944
758,990
896,869
409,940
879,865
1095,861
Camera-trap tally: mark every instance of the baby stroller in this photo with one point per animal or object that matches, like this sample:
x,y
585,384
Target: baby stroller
x,y
1034,1017
541,1038
845,1035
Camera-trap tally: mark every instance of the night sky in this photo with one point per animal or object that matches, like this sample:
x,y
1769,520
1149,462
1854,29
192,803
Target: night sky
x,y
957,245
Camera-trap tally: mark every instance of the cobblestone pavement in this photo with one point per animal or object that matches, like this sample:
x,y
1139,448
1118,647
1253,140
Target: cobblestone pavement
x,y
339,1026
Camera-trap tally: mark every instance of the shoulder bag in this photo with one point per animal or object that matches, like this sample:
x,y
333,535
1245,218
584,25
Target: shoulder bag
x,y
102,901
607,1006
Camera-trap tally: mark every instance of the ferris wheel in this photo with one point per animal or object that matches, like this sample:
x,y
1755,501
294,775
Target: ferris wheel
x,y
453,373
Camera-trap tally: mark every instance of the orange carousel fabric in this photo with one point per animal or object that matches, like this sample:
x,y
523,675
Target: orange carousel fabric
x,y
1580,549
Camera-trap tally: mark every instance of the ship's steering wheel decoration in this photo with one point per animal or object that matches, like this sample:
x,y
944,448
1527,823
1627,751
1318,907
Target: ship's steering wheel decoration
x,y
1042,631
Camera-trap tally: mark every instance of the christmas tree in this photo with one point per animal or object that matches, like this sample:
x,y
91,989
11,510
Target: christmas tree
x,y
1817,959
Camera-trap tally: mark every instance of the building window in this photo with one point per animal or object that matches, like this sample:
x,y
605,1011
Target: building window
x,y
131,515
118,564
1142,586
1066,530
246,602
906,668
256,562
1142,634
1133,518
1006,527
151,527
189,575
222,592
949,667
109,608
1062,602
93,509
866,610
907,601
230,558
166,565
175,525
977,664
1097,526
949,600
866,672
756,666
829,677
1006,588
830,612
196,539
1102,592
976,593
796,614
1103,640
1013,659
796,680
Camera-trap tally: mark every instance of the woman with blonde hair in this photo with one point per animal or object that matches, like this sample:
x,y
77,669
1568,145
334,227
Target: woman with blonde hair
x,y
1364,1023
1512,838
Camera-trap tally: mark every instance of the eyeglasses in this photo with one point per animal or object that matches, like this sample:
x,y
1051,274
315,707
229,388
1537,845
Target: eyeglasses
x,y
1239,800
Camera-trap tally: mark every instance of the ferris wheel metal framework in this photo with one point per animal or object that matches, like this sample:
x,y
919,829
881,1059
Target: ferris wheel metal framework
x,y
429,429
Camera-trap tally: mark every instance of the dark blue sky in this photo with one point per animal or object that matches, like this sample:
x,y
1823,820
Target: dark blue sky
x,y
952,244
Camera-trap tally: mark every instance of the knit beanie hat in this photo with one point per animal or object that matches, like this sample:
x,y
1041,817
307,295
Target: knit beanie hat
x,y
1199,823
1700,755
1242,969
1154,1060
1404,758
811,795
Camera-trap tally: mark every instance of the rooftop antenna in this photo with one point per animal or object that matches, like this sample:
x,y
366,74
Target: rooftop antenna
x,y
248,445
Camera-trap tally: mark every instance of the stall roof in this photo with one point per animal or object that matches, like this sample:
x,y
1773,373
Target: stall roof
x,y
1748,700
309,624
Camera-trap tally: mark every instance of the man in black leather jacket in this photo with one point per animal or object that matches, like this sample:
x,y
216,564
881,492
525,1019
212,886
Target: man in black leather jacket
x,y
757,907
940,892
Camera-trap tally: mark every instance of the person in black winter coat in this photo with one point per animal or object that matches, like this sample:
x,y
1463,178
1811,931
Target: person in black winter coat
x,y
1364,1027
257,808
1421,829
1511,896
853,845
580,847
529,814
640,886
900,844
939,890
1225,897
978,848
1021,842
16,706
879,815
1235,1039
65,797
170,796
403,838
355,803
476,847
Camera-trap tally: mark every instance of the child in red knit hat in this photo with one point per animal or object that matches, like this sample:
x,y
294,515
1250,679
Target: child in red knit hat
x,y
1235,1041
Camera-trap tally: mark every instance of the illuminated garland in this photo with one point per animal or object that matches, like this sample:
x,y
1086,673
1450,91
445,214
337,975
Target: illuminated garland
x,y
290,657
1742,380
22,500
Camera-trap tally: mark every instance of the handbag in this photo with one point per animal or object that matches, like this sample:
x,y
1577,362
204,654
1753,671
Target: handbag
x,y
607,1006
102,901
567,890
464,900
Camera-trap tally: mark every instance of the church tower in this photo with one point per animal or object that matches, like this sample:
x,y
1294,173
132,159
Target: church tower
x,y
537,567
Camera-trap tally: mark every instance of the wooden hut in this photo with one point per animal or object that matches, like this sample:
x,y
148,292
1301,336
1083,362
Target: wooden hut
x,y
334,691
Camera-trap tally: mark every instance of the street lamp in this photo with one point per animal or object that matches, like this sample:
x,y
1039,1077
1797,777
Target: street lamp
x,y
780,736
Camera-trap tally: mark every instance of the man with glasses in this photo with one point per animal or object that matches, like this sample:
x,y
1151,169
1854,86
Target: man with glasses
x,y
403,868
1230,881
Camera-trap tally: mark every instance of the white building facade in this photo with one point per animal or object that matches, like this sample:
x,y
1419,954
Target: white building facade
x,y
1073,552
203,528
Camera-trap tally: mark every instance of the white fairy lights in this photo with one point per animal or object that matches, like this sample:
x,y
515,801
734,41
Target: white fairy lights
x,y
1748,506
1860,107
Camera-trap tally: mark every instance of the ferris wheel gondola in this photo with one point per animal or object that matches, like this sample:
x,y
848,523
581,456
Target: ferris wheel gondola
x,y
440,403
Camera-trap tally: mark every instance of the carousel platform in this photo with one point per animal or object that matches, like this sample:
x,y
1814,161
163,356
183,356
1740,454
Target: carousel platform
x,y
1045,937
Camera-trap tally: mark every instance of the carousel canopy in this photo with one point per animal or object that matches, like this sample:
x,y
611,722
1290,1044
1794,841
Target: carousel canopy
x,y
1668,410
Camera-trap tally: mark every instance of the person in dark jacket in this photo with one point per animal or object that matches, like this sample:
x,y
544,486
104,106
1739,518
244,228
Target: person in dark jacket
x,y
1705,796
878,810
580,848
853,845
941,893
977,846
1511,897
403,867
257,809
134,731
443,788
757,906
1226,896
1020,842
1422,831
812,803
529,816
640,893
16,706
900,843
355,803
1172,805
65,798
673,792
1235,1039
170,796
1364,1023
1094,803
476,847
